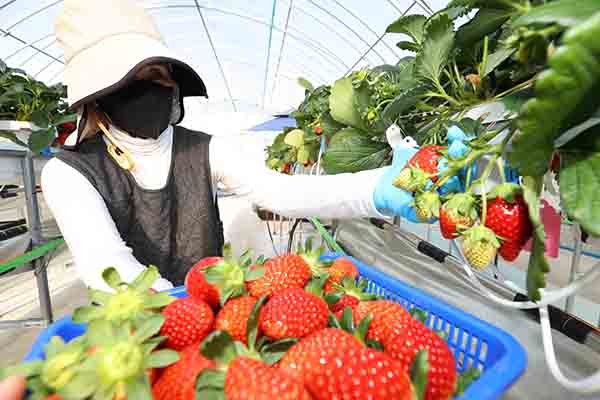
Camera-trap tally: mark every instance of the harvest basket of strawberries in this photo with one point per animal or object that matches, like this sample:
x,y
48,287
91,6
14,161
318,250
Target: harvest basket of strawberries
x,y
302,325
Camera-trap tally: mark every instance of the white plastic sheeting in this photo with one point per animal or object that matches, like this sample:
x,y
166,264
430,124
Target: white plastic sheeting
x,y
263,46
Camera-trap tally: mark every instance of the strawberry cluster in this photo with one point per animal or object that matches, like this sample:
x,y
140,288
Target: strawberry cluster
x,y
489,223
290,327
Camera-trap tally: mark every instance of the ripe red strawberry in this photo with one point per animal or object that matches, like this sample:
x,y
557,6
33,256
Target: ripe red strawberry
x,y
351,294
358,373
405,338
178,381
508,217
384,312
234,315
293,313
458,213
341,267
196,284
187,321
426,159
281,272
304,356
247,378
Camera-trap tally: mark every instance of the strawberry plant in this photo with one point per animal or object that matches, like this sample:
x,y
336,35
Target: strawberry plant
x,y
22,98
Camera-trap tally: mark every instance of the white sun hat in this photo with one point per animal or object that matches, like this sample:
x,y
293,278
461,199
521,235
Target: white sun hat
x,y
106,42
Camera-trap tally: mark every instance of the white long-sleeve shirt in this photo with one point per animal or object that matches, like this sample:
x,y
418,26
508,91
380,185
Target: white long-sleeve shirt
x,y
95,242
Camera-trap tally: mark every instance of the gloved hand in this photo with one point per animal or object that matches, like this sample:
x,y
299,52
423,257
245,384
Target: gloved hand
x,y
389,200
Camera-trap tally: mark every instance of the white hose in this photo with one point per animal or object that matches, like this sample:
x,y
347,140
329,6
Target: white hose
x,y
547,297
587,385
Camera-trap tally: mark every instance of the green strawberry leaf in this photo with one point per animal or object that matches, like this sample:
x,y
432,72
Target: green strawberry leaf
x,y
401,104
138,388
81,386
40,139
112,278
374,344
437,43
566,96
211,385
342,104
306,84
538,264
99,296
255,273
351,151
332,298
252,324
485,22
347,320
26,370
363,326
495,59
333,321
100,333
579,186
162,358
271,353
567,13
465,380
85,314
149,327
418,373
411,25
408,46
220,347
40,119
419,315
146,279
515,101
158,300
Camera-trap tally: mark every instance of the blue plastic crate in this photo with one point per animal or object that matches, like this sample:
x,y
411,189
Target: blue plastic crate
x,y
474,343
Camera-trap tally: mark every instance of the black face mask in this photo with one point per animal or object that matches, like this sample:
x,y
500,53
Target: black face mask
x,y
142,109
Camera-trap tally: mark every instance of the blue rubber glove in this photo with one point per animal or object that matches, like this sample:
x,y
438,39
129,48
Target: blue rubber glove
x,y
388,199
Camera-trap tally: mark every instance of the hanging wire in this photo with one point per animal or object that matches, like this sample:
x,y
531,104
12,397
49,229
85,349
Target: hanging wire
x,y
37,54
214,50
270,45
17,38
339,20
33,14
280,57
27,46
3,6
376,43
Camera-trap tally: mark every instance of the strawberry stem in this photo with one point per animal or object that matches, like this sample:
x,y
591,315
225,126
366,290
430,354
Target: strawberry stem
x,y
500,164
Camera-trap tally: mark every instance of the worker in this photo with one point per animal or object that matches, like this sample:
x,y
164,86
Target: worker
x,y
133,188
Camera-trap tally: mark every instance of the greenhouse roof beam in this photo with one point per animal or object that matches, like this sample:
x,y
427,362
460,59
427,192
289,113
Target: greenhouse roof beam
x,y
359,19
332,15
36,54
285,32
269,46
6,4
27,46
33,14
377,41
324,51
207,31
12,35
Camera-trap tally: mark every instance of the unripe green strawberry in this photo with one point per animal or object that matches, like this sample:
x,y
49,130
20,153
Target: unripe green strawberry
x,y
480,246
427,205
411,179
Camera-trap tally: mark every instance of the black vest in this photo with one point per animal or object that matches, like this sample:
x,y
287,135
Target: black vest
x,y
172,227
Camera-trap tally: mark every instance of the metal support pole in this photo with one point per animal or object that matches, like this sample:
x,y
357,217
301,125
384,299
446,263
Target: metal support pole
x,y
33,215
575,262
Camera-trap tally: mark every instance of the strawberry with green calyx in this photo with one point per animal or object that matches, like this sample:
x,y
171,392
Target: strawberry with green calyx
x,y
133,301
178,381
465,380
427,205
240,371
342,267
293,313
480,246
508,217
65,366
427,159
233,317
281,272
196,284
419,369
346,323
458,213
312,257
384,313
187,321
349,294
230,276
412,179
406,338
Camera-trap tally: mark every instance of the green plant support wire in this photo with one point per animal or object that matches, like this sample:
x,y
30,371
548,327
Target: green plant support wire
x,y
36,253
327,236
